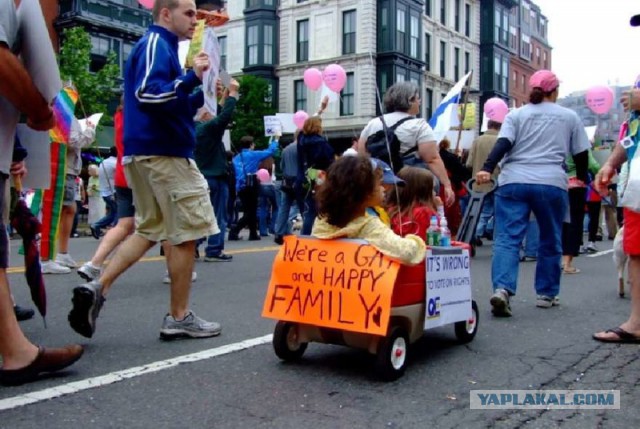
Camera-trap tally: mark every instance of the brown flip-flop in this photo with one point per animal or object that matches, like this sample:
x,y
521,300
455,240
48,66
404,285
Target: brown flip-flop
x,y
622,336
571,270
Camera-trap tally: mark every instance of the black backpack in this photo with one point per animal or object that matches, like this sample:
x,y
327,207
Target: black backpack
x,y
376,145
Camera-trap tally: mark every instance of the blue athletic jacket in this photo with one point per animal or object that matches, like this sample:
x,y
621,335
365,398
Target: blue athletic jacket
x,y
159,105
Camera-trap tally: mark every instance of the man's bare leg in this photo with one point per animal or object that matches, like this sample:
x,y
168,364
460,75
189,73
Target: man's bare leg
x,y
128,254
180,264
16,350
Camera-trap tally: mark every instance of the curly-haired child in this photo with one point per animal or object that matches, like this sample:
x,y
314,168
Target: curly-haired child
x,y
352,184
411,214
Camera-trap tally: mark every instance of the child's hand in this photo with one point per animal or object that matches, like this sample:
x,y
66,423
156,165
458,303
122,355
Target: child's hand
x,y
438,201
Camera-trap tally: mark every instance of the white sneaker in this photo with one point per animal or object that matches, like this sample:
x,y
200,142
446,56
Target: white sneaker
x,y
52,267
66,260
167,280
89,272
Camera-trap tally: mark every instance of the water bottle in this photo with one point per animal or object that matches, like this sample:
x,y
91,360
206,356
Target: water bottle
x,y
445,233
433,233
440,212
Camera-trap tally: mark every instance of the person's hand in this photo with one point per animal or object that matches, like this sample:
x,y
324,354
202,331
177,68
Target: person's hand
x,y
18,169
323,104
483,177
44,122
603,178
438,201
630,100
449,196
234,87
201,64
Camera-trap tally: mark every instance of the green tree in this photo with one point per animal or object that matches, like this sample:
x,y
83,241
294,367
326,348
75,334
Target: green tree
x,y
252,106
96,90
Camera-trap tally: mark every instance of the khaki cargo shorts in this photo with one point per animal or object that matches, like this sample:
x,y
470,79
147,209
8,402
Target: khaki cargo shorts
x,y
171,198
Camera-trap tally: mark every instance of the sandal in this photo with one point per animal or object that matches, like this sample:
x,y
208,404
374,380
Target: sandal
x,y
570,270
622,336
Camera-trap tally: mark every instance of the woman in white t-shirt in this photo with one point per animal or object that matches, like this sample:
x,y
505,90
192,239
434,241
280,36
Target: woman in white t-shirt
x,y
402,100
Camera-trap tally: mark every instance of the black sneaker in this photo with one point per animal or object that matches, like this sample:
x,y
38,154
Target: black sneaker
x,y
95,232
278,239
87,302
254,238
23,313
233,237
223,257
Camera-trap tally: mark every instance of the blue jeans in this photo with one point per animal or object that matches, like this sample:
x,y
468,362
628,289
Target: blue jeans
x,y
532,239
111,218
514,204
488,205
219,195
288,200
309,215
267,209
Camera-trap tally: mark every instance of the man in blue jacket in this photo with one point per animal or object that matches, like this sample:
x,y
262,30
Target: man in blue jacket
x,y
170,194
245,165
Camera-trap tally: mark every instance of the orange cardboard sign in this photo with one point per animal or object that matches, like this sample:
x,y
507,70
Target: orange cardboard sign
x,y
343,284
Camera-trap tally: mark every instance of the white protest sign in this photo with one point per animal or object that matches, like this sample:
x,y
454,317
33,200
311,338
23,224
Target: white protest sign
x,y
448,286
286,121
210,77
272,126
466,138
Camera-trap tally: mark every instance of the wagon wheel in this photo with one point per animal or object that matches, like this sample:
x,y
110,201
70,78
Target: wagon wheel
x,y
467,329
391,359
286,342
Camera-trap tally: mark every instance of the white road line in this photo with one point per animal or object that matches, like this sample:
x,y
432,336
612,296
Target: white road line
x,y
116,376
604,252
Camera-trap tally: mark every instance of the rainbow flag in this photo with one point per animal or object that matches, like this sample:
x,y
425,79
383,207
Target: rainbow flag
x,y
63,108
48,202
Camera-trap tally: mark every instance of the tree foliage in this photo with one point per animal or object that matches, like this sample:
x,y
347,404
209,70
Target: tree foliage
x,y
252,106
96,90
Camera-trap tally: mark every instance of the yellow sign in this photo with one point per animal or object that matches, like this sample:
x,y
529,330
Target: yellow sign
x,y
469,121
196,43
331,283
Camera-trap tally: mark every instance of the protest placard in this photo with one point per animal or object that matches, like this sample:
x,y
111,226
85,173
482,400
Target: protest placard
x,y
343,284
448,285
272,126
196,44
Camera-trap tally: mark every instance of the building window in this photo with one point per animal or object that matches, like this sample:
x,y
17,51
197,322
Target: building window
x,y
303,40
126,51
456,64
515,79
501,73
443,58
427,7
414,33
525,47
523,80
427,51
443,12
467,20
300,95
349,32
538,55
222,41
347,96
252,45
401,29
501,26
544,60
428,103
467,62
100,45
268,45
457,17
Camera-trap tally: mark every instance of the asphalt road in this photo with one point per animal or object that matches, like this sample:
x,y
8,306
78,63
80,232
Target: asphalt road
x,y
129,378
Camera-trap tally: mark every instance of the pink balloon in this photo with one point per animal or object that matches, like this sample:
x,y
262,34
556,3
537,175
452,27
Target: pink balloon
x,y
299,118
313,79
496,109
334,77
147,3
599,99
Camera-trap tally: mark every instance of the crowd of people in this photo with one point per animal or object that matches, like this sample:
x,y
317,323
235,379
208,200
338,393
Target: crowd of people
x,y
184,195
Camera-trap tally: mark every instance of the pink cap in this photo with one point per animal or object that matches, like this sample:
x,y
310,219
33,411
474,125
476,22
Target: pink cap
x,y
545,80
263,176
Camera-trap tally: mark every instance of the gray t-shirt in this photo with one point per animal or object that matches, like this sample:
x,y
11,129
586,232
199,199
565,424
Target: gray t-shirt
x,y
9,116
542,136
410,133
